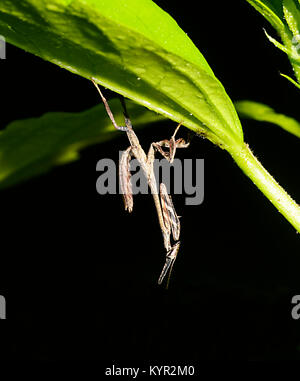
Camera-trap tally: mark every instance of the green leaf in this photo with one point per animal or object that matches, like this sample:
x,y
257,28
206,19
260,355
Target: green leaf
x,y
263,113
291,80
278,45
32,146
132,47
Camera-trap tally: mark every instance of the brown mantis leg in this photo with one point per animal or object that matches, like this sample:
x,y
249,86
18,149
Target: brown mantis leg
x,y
124,177
172,221
108,110
170,259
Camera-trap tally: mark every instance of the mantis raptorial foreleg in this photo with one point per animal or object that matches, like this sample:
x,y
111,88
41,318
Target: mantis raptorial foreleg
x,y
170,216
169,263
172,223
171,144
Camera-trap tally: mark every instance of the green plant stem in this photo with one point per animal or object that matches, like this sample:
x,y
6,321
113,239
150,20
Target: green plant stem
x,y
266,183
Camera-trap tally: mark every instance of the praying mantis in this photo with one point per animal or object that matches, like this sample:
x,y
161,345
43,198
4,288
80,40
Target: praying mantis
x,y
167,217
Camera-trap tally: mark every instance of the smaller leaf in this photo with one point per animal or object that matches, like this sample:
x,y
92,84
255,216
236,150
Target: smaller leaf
x,y
292,16
291,80
32,146
263,113
272,11
289,52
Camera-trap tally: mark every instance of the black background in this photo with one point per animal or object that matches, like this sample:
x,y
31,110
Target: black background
x,y
79,274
